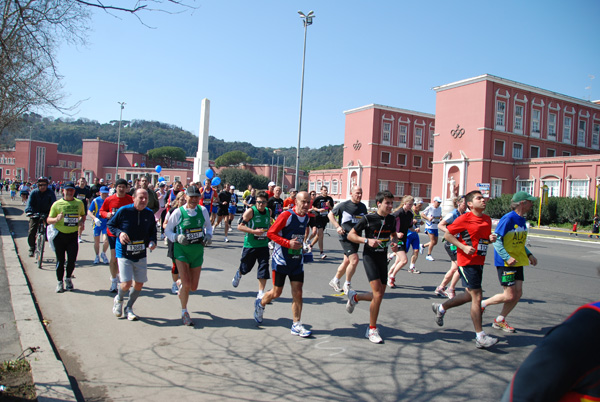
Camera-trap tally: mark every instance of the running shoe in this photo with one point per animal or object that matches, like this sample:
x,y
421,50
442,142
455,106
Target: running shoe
x,y
118,307
450,293
298,329
258,311
439,291
97,260
80,240
351,301
186,319
166,242
130,314
429,258
236,279
307,247
104,258
373,335
503,325
391,282
439,317
30,253
346,288
59,287
113,285
414,271
390,256
335,285
323,256
420,249
226,240
68,284
485,341
174,288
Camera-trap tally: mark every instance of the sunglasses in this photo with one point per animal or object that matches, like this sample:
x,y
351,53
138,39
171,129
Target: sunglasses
x,y
261,202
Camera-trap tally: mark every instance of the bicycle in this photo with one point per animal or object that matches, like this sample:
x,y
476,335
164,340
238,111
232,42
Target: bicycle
x,y
40,238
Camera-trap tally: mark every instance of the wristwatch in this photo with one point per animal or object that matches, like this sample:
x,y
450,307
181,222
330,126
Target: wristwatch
x,y
366,241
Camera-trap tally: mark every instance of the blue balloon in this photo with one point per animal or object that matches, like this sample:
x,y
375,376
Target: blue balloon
x,y
216,181
158,168
161,178
209,173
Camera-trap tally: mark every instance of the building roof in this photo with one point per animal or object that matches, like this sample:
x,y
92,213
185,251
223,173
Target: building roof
x,y
390,109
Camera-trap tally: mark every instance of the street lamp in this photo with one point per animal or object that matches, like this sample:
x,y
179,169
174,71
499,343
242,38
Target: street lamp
x,y
307,20
119,138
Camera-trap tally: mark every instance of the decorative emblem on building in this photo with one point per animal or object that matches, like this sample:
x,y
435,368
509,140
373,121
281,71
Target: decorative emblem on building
x,y
356,145
458,132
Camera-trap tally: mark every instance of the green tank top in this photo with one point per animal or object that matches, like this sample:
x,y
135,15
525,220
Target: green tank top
x,y
192,226
258,221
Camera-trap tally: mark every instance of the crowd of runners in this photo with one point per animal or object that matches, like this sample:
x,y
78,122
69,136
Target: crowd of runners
x,y
280,236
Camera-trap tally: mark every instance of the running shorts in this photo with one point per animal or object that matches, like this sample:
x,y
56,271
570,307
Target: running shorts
x,y
112,242
349,247
193,254
99,230
321,222
509,275
412,240
136,270
376,266
279,278
252,255
452,253
432,231
471,276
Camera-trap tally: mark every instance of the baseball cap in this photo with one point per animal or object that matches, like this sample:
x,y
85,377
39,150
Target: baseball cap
x,y
232,187
104,190
271,184
418,201
70,185
161,184
101,180
523,196
192,191
438,199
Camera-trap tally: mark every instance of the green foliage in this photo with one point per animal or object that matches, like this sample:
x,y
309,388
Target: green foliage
x,y
499,206
167,156
240,178
232,158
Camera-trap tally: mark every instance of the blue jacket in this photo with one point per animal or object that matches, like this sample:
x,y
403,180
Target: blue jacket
x,y
140,226
40,202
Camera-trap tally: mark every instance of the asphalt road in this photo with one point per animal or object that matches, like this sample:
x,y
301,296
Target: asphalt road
x,y
227,356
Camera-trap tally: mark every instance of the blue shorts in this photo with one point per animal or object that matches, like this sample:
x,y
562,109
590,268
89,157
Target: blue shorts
x,y
432,231
412,240
251,256
98,230
233,210
215,209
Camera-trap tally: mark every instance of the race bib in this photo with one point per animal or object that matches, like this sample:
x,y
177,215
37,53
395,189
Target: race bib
x,y
81,196
296,253
482,247
194,236
207,202
262,236
356,219
134,248
71,220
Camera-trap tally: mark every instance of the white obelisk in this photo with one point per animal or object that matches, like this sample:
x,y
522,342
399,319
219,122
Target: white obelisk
x,y
201,159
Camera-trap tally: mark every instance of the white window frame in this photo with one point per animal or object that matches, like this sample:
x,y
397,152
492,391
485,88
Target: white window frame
x,y
526,185
168,178
431,137
520,155
501,114
402,135
176,178
548,150
518,119
579,188
8,172
389,157
109,176
383,185
418,138
536,122
553,187
428,191
311,186
415,189
595,135
420,160
429,163
397,159
334,186
566,153
581,132
65,175
399,188
567,129
552,119
386,133
496,187
531,151
327,184
503,147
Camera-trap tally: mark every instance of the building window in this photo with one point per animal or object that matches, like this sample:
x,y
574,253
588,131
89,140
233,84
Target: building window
x,y
71,164
179,163
498,147
535,122
168,178
496,188
62,163
386,134
595,135
431,132
386,157
517,151
326,184
401,159
143,159
567,129
428,191
399,189
65,175
383,185
415,190
108,176
552,126
553,187
550,153
418,138
566,153
78,165
319,185
525,185
311,186
534,152
430,163
579,188
8,172
177,178
40,161
334,187
581,133
402,134
417,161
500,114
518,119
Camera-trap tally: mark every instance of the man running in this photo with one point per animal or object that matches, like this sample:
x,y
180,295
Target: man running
x,y
232,205
432,215
290,202
223,213
189,229
135,228
348,215
39,203
379,229
404,220
210,200
255,223
321,207
288,233
475,229
84,194
109,208
510,256
99,226
271,189
275,205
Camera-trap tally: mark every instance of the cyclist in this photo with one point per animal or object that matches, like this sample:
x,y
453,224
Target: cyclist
x,y
39,203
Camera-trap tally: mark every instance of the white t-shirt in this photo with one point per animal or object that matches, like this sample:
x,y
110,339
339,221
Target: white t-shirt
x,y
434,212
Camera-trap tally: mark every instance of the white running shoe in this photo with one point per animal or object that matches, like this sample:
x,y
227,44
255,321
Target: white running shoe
x,y
429,258
118,307
174,288
97,260
104,258
226,240
130,314
420,249
485,341
373,335
346,288
335,285
260,295
390,257
166,241
298,329
80,240
114,283
236,279
351,302
271,245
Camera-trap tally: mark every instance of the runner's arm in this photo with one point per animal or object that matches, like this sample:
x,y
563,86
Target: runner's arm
x,y
172,223
273,232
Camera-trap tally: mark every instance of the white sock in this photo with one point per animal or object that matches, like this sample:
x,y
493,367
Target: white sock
x,y
480,334
335,279
346,283
412,266
183,311
441,309
483,304
500,318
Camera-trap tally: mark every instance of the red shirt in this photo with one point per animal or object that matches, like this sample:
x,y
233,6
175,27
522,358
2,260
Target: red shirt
x,y
111,204
270,194
289,203
474,231
276,228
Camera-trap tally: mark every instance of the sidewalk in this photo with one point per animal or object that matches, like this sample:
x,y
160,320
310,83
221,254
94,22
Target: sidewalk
x,y
20,326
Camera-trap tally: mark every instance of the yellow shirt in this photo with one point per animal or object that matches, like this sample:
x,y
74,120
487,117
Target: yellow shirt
x,y
72,211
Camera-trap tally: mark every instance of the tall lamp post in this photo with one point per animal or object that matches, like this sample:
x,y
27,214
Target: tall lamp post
x,y
307,20
119,138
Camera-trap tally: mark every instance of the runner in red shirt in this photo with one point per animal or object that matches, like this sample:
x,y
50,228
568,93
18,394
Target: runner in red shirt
x,y
209,199
475,229
108,209
290,202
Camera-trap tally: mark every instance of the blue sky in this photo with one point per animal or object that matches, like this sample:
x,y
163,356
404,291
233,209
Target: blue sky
x,y
246,57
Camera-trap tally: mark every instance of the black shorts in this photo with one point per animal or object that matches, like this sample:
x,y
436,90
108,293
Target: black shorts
x,y
321,222
279,278
376,266
349,247
402,244
312,221
250,256
451,253
471,276
508,275
223,211
112,242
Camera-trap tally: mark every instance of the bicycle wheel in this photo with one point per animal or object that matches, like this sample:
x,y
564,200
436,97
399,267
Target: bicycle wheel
x,y
39,249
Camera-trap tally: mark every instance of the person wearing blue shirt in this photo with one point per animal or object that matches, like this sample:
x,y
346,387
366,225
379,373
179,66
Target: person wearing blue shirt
x,y
99,225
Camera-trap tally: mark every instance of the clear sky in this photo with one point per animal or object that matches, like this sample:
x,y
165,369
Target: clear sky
x,y
246,57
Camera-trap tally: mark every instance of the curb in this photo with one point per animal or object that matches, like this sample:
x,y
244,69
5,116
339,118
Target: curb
x,y
49,374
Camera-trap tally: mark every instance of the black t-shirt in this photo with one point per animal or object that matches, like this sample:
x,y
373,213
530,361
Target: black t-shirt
x,y
83,194
404,220
224,196
376,227
276,206
95,190
349,214
323,202
250,200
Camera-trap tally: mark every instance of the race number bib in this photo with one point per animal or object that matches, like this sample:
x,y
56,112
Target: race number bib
x,y
81,196
482,247
262,236
207,202
194,236
356,219
135,249
296,253
71,220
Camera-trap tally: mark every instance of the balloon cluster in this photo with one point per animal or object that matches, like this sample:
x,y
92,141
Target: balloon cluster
x,y
210,174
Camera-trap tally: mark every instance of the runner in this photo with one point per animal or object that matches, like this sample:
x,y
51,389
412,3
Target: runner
x,y
39,202
210,200
475,229
159,216
180,201
432,215
412,239
288,233
108,209
248,191
404,219
83,194
311,230
250,200
66,215
379,228
135,228
290,202
223,213
321,207
232,205
510,257
452,276
153,204
189,229
348,214
13,190
275,205
255,223
99,226
95,188
271,189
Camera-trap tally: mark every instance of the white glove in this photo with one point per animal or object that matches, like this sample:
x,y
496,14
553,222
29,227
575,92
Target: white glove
x,y
181,239
98,222
207,240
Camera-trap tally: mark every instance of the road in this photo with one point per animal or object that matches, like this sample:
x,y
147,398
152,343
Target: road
x,y
227,356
